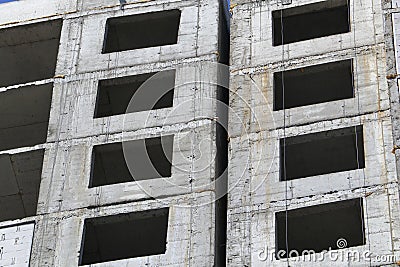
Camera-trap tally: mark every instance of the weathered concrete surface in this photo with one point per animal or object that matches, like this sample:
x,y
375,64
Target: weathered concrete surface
x,y
190,238
255,129
66,176
65,199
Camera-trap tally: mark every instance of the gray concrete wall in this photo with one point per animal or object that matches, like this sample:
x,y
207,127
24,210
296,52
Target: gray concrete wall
x,y
65,199
256,193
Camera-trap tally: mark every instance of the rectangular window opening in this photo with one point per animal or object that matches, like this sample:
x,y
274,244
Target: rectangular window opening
x,y
122,95
319,227
314,84
124,236
310,21
322,153
133,161
25,116
20,176
141,31
29,53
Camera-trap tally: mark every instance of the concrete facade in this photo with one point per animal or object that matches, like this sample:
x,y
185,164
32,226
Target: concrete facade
x,y
64,198
256,192
47,197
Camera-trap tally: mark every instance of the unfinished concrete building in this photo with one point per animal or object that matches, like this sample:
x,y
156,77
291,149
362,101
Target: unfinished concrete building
x,y
68,73
113,147
314,133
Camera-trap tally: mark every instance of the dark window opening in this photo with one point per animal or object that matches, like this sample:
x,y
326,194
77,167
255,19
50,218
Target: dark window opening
x,y
115,95
313,85
310,21
134,161
20,176
319,227
24,116
322,153
141,31
29,53
124,236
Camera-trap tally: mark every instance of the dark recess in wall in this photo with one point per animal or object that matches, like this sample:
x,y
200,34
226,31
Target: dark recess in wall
x,y
25,113
150,159
221,164
322,153
20,176
319,227
310,21
124,236
141,31
29,53
115,95
313,85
